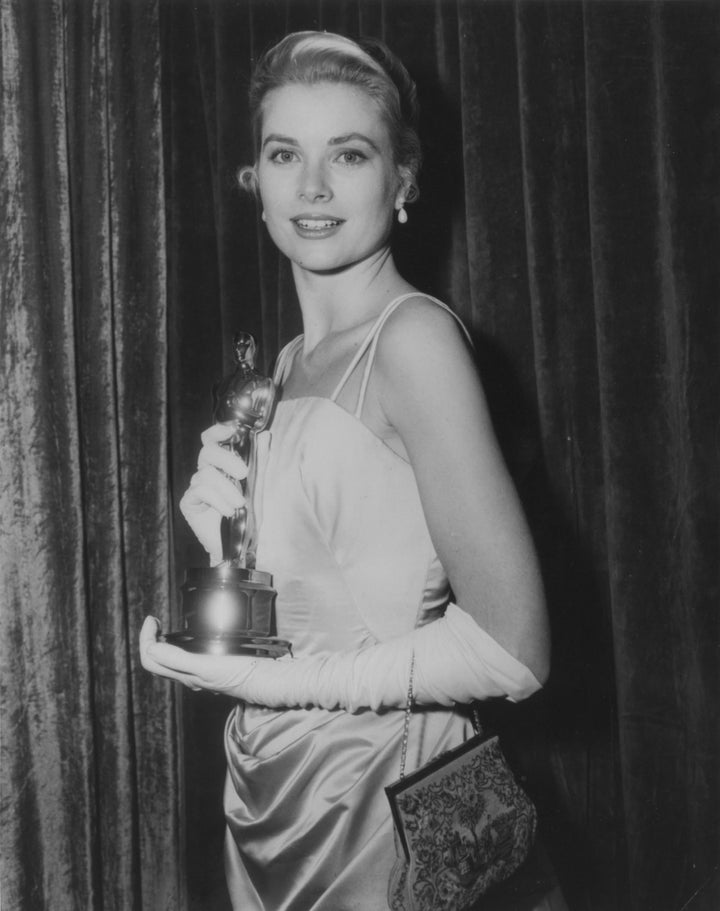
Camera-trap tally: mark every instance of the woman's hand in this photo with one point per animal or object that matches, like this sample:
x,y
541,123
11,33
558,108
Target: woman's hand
x,y
217,673
213,490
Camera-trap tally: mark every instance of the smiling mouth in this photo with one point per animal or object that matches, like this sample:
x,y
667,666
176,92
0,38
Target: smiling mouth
x,y
316,224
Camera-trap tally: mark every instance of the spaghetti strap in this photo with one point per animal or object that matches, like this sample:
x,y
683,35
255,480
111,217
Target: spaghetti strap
x,y
371,341
357,357
285,359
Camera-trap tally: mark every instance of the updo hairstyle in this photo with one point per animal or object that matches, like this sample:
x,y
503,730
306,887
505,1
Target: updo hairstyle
x,y
310,58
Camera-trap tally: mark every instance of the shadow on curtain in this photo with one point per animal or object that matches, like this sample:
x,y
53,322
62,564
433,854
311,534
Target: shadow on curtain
x,y
569,212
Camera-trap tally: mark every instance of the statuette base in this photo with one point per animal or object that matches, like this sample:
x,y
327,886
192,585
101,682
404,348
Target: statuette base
x,y
229,610
231,645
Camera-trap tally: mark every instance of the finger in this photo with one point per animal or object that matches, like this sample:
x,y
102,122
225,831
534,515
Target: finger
x,y
148,637
207,496
149,630
218,433
211,489
148,641
224,459
176,660
216,480
186,679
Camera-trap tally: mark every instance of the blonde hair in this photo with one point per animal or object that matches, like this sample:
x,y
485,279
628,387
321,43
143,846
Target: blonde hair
x,y
309,58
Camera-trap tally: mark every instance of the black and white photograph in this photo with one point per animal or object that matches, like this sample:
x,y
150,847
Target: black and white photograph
x,y
360,455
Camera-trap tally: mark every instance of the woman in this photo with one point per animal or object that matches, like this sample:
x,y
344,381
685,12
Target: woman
x,y
384,492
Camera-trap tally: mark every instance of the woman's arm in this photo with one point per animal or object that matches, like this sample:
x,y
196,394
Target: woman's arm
x,y
427,386
454,660
497,644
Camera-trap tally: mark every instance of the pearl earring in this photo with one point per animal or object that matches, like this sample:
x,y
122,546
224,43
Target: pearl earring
x,y
402,215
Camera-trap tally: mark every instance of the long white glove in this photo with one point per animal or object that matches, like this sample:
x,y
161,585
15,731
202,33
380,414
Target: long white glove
x,y
212,492
455,661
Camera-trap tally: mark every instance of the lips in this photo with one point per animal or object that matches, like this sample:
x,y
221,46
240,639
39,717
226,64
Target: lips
x,y
311,223
316,227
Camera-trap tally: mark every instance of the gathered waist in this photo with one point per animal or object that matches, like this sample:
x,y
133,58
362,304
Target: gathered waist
x,y
255,735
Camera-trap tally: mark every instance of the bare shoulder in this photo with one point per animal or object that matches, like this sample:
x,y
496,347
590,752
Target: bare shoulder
x,y
419,326
421,338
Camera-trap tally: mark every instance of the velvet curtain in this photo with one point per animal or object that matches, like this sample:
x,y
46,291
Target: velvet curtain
x,y
90,766
569,212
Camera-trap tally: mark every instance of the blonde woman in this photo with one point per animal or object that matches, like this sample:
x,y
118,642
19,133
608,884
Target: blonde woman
x,y
389,520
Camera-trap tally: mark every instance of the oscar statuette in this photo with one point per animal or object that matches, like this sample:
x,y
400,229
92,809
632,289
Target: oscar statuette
x,y
229,609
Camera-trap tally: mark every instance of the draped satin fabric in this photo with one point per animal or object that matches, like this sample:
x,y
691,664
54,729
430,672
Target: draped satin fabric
x,y
309,825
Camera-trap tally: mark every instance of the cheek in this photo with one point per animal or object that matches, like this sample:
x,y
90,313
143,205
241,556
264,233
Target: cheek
x,y
383,201
275,213
371,190
390,185
267,196
272,189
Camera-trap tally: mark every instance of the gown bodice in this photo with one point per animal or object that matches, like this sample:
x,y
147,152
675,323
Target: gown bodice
x,y
342,527
343,532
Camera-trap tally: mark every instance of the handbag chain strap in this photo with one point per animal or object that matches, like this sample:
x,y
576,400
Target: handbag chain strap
x,y
408,712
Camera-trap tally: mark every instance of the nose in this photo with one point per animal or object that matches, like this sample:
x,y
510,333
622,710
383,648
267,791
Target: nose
x,y
314,184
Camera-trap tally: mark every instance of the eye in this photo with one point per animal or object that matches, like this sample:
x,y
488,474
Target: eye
x,y
283,156
351,157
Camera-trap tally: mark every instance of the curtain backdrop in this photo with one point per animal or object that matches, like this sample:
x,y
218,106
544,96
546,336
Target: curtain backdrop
x,y
569,212
89,769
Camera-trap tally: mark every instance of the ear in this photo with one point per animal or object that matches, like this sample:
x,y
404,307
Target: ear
x,y
407,191
248,180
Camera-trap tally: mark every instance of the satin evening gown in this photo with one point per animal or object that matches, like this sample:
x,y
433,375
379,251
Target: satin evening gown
x,y
344,535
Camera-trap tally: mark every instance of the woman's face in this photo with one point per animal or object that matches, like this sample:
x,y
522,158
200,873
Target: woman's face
x,y
326,174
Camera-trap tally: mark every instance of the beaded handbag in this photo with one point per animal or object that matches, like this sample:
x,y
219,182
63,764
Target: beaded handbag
x,y
462,824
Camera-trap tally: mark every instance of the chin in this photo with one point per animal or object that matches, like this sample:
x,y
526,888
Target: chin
x,y
322,266
320,260
328,262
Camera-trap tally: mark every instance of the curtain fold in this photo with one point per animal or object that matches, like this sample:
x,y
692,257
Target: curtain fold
x,y
90,773
654,214
569,511
49,776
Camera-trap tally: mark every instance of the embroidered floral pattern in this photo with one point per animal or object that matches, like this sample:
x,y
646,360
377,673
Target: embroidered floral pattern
x,y
467,825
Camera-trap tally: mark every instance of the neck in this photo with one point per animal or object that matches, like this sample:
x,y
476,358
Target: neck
x,y
337,301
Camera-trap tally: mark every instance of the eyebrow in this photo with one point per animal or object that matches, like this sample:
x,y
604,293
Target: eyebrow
x,y
333,141
353,137
276,137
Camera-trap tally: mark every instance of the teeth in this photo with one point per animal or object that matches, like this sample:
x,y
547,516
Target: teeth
x,y
316,224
